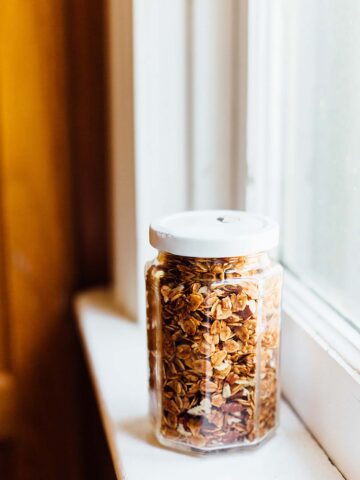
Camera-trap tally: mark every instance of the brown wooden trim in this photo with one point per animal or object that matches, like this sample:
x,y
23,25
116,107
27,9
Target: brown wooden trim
x,y
4,324
7,460
39,257
8,406
54,234
88,136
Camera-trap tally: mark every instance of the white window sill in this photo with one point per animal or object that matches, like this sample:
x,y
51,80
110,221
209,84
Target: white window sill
x,y
320,373
116,354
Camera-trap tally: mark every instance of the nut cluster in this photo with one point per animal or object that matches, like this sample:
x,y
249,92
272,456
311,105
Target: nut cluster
x,y
204,322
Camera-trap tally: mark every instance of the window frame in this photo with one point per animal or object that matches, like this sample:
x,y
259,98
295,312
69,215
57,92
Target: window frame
x,y
316,340
321,337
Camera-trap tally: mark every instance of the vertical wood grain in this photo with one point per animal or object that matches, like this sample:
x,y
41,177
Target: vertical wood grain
x,y
87,72
88,112
6,461
4,323
37,230
8,405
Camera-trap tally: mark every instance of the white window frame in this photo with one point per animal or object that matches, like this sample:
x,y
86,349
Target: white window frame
x,y
320,349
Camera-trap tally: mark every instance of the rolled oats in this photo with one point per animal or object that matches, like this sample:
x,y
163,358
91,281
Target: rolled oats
x,y
213,338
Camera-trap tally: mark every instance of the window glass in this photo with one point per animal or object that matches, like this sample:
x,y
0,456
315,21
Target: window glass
x,y
321,161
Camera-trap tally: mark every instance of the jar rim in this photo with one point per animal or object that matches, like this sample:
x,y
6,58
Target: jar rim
x,y
214,233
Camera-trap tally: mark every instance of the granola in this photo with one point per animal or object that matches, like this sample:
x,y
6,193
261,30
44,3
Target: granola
x,y
213,337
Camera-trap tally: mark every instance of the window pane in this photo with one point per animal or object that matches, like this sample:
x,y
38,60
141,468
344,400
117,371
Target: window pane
x,y
321,212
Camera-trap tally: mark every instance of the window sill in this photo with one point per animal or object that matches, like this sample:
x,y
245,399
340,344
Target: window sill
x,y
115,350
320,373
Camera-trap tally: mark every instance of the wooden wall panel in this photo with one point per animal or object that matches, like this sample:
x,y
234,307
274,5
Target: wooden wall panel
x,y
4,325
88,137
6,461
89,145
37,221
52,219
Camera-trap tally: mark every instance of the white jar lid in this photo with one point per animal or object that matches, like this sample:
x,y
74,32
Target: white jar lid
x,y
214,233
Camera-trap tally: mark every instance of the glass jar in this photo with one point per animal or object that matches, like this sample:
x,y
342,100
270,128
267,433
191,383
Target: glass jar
x,y
213,317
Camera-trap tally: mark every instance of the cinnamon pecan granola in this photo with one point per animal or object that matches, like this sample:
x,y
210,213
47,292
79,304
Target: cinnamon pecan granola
x,y
215,328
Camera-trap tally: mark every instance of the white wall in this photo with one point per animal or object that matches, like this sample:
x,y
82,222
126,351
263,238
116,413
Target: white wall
x,y
189,106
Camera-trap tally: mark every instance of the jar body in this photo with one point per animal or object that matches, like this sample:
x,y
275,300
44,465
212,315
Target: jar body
x,y
213,339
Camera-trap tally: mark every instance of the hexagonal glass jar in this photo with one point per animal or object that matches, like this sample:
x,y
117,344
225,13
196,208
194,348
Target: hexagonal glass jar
x,y
213,330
